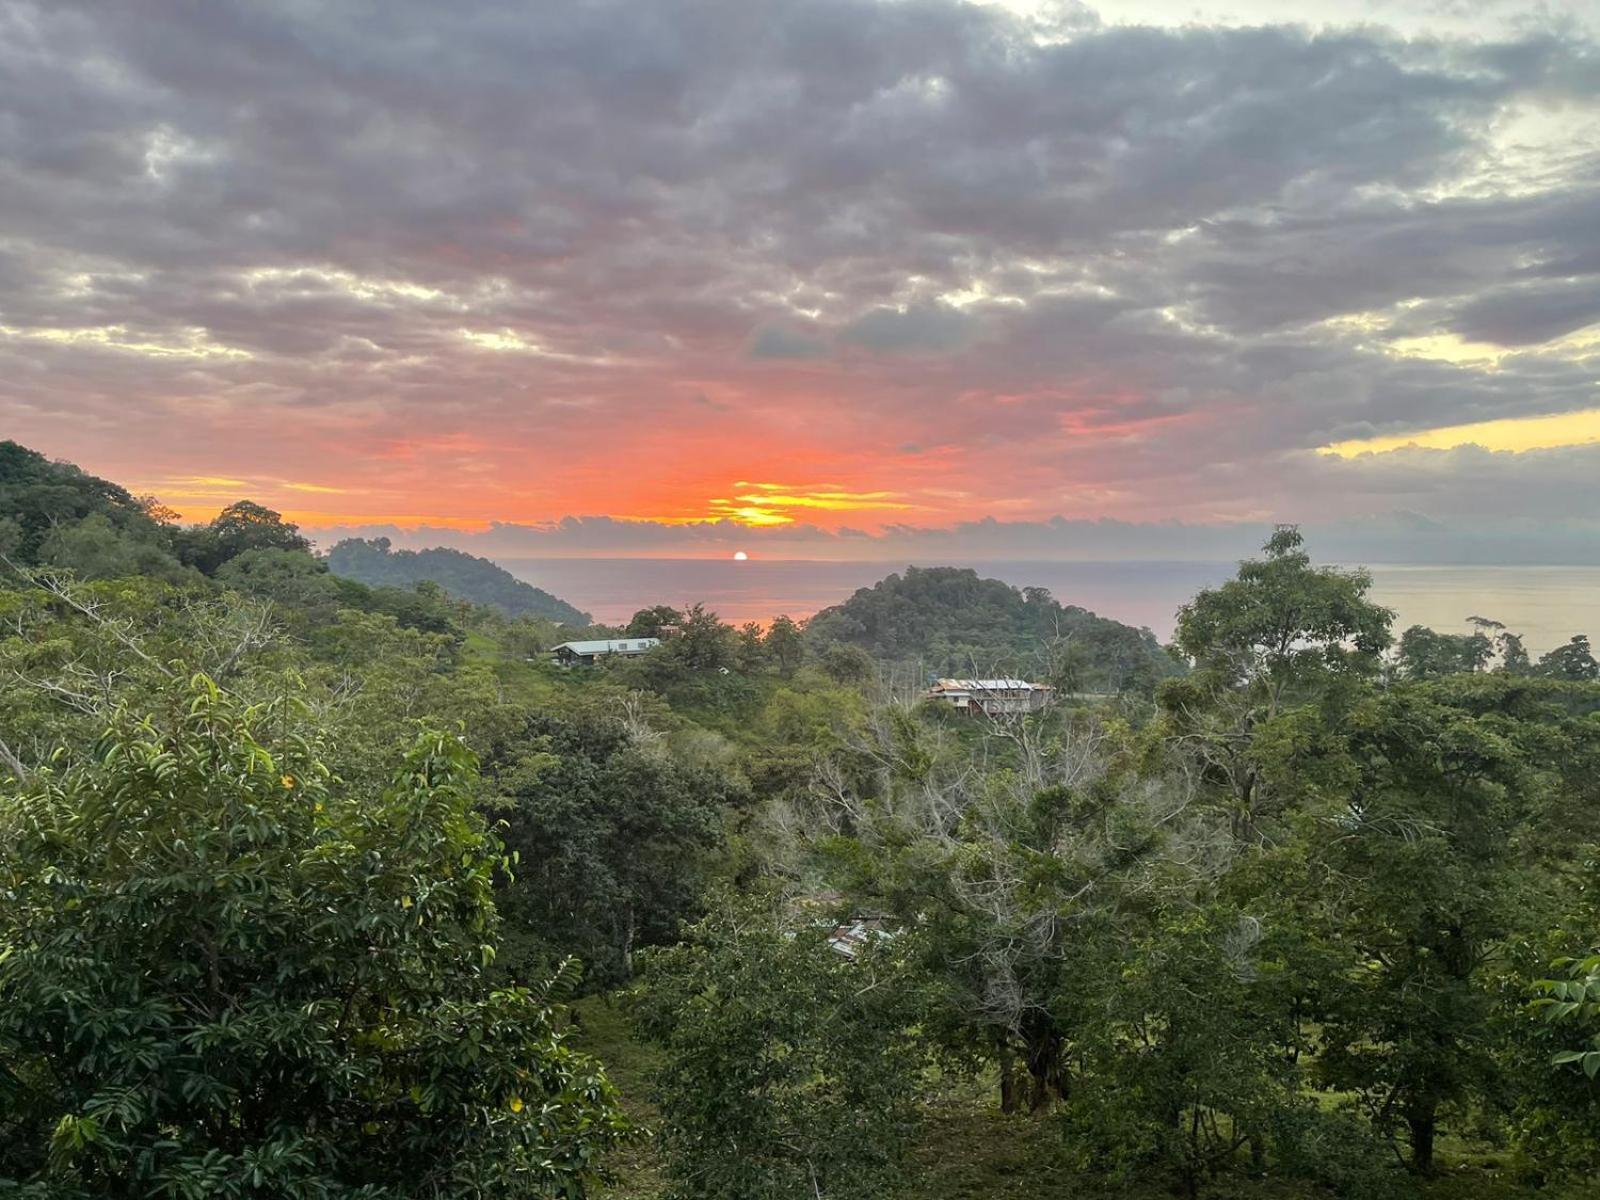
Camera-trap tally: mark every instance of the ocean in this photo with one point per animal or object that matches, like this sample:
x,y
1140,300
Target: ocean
x,y
1546,605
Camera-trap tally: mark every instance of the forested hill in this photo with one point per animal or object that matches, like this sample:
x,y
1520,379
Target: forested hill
x,y
43,502
464,576
958,623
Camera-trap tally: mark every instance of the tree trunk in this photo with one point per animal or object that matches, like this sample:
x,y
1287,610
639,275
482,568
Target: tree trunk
x,y
1009,1097
1422,1123
1045,1046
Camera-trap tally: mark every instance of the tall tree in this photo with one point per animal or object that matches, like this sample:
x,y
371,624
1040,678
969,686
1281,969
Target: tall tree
x,y
1270,647
224,973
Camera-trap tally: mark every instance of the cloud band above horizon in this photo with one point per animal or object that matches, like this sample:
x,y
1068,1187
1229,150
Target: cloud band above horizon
x,y
911,264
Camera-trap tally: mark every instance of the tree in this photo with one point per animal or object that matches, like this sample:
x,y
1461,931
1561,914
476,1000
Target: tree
x,y
785,645
1424,858
1424,654
615,837
789,1069
224,973
1183,1067
243,525
653,622
1019,861
1278,651
1575,999
298,585
94,548
1513,655
1573,662
1281,624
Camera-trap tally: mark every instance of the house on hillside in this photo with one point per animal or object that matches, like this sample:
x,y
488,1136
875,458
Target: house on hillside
x,y
586,654
991,697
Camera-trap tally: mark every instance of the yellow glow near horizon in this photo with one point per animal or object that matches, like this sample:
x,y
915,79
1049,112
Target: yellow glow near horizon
x,y
765,503
740,556
1510,433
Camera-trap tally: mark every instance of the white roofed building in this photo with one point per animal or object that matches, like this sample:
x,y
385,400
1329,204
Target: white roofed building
x,y
991,697
586,654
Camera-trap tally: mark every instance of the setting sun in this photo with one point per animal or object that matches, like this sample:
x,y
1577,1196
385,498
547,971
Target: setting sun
x,y
739,556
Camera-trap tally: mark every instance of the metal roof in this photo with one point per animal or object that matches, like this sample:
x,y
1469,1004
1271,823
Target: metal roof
x,y
609,646
988,685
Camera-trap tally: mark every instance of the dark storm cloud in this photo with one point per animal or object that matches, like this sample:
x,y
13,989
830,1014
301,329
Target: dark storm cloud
x,y
1115,249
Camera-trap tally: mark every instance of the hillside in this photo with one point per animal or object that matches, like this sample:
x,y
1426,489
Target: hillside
x,y
39,499
955,622
464,576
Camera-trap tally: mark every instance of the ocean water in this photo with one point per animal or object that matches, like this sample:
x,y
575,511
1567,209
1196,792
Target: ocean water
x,y
1547,605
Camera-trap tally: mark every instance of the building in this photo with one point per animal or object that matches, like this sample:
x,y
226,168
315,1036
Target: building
x,y
991,697
586,654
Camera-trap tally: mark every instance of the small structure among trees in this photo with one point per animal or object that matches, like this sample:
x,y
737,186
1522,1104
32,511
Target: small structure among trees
x,y
586,654
991,697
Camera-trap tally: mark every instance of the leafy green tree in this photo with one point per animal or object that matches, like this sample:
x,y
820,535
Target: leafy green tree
x,y
1573,662
789,1069
1277,652
785,645
1184,1070
616,837
654,622
94,548
1513,655
297,585
224,973
1575,999
243,525
1424,860
1424,654
751,653
844,663
703,642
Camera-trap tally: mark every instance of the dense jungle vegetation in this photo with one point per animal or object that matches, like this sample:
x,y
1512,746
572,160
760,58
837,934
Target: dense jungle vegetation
x,y
319,888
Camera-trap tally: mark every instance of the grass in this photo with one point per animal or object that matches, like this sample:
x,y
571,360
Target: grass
x,y
969,1150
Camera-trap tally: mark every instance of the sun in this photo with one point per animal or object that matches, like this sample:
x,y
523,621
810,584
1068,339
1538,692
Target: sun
x,y
739,556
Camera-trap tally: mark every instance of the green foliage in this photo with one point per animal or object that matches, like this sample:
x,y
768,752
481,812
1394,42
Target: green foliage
x,y
653,622
1424,654
784,645
1573,662
1182,1072
464,576
1426,852
789,1070
615,835
224,972
955,623
39,498
1282,624
241,527
1575,999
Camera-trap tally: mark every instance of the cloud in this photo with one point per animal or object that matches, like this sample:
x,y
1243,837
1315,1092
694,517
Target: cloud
x,y
1529,314
778,342
493,260
924,327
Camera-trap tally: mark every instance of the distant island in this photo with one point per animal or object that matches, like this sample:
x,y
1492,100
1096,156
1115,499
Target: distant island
x,y
464,576
957,623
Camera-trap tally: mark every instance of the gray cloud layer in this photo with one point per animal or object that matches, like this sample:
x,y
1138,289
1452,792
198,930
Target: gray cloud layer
x,y
1141,269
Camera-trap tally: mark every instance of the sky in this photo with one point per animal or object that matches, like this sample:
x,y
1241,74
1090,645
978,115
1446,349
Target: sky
x,y
819,278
